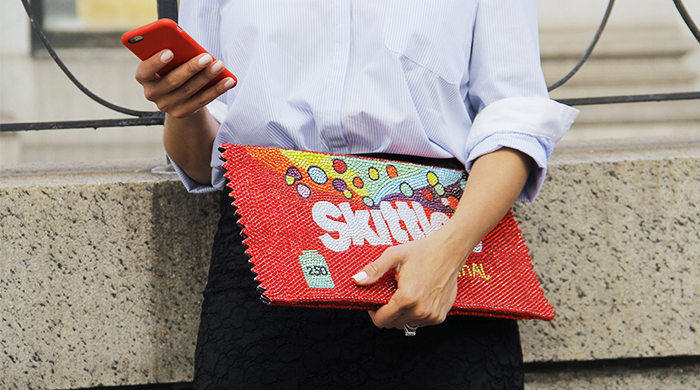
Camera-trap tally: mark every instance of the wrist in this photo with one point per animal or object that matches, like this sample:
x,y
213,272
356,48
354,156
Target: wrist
x,y
197,120
460,240
189,142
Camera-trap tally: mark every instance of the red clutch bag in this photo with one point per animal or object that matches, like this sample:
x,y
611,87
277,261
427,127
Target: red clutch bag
x,y
313,220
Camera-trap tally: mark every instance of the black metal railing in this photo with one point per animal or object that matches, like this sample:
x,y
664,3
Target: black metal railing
x,y
656,97
168,9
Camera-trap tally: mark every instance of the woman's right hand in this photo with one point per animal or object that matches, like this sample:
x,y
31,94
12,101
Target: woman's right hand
x,y
179,93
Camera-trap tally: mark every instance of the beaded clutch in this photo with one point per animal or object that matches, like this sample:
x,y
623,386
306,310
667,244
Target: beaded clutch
x,y
312,220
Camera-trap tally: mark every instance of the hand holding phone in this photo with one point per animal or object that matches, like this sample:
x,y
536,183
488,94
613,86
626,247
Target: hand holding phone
x,y
176,72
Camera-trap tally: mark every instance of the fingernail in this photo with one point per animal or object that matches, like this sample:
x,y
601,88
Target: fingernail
x,y
229,83
360,276
205,60
166,56
216,68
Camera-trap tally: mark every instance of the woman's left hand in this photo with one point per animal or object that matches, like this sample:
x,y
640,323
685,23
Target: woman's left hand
x,y
426,274
427,269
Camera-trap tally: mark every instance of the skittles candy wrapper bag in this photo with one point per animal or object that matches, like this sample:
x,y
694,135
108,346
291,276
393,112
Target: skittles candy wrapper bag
x,y
312,220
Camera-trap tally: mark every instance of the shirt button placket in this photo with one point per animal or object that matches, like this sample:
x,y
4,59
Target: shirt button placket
x,y
332,131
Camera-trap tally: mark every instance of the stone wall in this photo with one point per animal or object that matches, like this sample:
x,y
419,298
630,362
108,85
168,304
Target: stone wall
x,y
101,274
102,268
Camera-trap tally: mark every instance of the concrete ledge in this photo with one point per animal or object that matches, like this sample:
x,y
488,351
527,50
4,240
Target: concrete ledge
x,y
101,273
615,238
102,267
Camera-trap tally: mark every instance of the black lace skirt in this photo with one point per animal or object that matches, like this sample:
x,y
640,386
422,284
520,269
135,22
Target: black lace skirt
x,y
245,344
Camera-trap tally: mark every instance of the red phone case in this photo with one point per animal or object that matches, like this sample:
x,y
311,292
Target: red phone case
x,y
148,40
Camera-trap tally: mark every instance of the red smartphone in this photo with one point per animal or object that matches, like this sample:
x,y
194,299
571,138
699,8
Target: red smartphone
x,y
148,40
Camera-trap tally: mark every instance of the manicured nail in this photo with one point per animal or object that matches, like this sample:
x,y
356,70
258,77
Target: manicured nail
x,y
206,59
166,56
229,83
360,276
216,68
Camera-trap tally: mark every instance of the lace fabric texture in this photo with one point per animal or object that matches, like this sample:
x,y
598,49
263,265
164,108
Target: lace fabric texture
x,y
245,344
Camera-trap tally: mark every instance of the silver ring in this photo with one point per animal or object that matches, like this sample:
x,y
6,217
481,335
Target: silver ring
x,y
409,331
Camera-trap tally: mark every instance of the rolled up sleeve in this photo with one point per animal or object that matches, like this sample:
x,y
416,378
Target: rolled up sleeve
x,y
530,125
507,92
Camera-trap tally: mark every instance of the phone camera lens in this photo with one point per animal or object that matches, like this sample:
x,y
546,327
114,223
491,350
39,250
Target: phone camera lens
x,y
136,39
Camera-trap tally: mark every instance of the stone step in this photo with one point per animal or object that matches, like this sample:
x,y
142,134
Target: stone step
x,y
620,42
568,92
629,61
596,131
615,72
647,112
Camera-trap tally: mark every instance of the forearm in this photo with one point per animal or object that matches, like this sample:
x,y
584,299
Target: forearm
x,y
427,269
495,181
189,130
189,142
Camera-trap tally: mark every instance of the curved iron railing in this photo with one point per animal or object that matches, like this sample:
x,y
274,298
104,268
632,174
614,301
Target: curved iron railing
x,y
687,19
168,9
589,49
656,97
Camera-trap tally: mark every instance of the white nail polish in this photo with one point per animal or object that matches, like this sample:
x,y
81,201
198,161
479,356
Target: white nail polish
x,y
229,83
360,276
217,67
166,56
205,60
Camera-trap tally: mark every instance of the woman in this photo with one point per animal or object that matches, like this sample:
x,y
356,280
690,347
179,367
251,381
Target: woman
x,y
455,81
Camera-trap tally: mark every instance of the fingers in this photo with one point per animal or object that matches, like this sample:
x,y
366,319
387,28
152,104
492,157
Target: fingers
x,y
408,308
407,305
426,288
376,269
387,315
191,76
180,92
147,69
197,101
397,312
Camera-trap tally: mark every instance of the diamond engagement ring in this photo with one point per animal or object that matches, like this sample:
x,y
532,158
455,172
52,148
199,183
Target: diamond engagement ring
x,y
409,331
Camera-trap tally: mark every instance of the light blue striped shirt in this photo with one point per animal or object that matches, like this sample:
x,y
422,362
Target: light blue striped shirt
x,y
440,78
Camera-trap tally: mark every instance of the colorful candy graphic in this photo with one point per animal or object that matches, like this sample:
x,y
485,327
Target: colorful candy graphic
x,y
452,202
317,175
432,178
406,190
339,165
357,182
292,175
373,173
339,185
364,181
303,190
439,189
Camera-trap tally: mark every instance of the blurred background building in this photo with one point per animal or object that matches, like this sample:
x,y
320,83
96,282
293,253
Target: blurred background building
x,y
646,48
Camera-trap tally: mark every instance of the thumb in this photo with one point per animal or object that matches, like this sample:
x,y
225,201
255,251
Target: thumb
x,y
376,269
